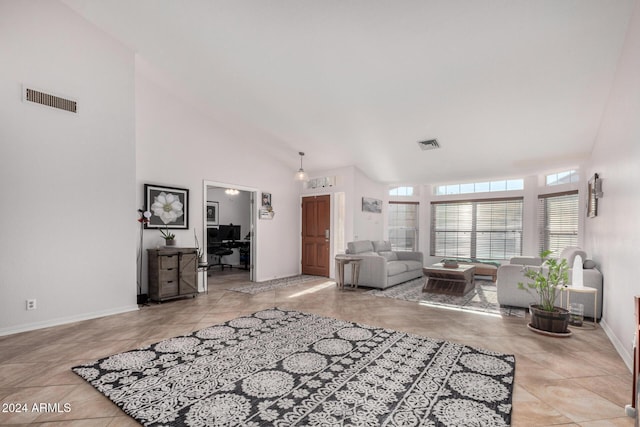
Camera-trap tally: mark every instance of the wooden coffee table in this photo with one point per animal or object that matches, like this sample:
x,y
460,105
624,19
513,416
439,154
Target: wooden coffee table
x,y
450,281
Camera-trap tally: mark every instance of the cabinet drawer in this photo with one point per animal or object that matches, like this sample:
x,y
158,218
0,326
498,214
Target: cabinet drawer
x,y
168,261
168,288
168,275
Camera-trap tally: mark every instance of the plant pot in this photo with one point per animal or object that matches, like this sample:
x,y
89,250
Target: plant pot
x,y
170,242
556,321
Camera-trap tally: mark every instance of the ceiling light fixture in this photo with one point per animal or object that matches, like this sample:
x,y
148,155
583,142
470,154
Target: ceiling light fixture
x,y
301,175
231,191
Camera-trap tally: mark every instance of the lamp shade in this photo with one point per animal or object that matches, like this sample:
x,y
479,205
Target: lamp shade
x,y
301,175
577,275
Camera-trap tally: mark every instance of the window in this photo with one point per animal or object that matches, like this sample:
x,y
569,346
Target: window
x,y
477,228
565,177
401,191
480,187
403,226
558,221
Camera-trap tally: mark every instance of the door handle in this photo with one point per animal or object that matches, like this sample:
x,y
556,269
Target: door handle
x,y
326,234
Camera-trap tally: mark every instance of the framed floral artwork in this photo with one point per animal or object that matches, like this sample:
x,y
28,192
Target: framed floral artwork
x,y
169,206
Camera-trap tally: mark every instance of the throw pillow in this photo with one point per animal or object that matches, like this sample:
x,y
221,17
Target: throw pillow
x,y
588,264
382,246
388,255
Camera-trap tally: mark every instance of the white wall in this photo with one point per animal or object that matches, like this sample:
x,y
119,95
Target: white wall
x,y
367,225
613,236
67,180
181,144
356,185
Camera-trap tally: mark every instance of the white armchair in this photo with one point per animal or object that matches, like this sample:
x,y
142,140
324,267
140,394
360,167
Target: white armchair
x,y
509,275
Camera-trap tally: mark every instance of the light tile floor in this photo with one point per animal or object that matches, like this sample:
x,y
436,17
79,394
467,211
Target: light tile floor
x,y
576,381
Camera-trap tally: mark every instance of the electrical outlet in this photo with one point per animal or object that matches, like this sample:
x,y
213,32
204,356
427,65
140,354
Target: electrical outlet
x,y
31,304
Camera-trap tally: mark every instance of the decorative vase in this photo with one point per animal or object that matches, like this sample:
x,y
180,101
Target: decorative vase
x,y
576,314
555,321
170,242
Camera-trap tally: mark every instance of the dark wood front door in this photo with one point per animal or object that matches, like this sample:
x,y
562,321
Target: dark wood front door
x,y
316,220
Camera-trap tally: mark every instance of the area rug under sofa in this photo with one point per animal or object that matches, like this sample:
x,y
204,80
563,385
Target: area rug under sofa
x,y
483,298
270,285
283,368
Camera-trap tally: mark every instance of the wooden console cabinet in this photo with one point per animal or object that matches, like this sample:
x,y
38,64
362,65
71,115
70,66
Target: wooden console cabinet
x,y
173,273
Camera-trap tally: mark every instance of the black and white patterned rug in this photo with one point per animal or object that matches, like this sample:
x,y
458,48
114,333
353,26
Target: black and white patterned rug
x,y
282,368
269,285
483,298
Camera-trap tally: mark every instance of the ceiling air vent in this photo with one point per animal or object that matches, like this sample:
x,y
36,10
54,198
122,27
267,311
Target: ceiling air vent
x,y
49,100
430,144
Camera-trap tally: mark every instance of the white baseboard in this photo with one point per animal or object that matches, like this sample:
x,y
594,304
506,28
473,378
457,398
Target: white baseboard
x,y
621,348
64,320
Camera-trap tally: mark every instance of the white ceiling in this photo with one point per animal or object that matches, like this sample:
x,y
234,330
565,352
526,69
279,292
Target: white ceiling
x,y
508,87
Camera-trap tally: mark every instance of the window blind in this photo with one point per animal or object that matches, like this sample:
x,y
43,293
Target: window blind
x,y
403,226
558,216
477,228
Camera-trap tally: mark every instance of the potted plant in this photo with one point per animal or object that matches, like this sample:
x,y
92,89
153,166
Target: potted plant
x,y
548,281
169,237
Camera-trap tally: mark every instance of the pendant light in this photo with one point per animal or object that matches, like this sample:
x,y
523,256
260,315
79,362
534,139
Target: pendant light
x,y
301,175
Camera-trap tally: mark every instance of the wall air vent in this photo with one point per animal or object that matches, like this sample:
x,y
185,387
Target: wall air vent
x,y
49,100
430,144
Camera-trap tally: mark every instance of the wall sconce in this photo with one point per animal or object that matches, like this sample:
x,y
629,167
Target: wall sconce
x,y
231,191
594,193
301,175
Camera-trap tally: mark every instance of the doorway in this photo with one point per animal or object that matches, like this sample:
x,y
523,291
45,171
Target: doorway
x,y
316,235
229,233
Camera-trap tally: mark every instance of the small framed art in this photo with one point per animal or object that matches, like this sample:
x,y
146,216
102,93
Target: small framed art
x,y
213,213
266,200
371,205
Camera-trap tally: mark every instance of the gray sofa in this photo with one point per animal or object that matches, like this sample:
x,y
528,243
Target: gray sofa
x,y
509,275
381,267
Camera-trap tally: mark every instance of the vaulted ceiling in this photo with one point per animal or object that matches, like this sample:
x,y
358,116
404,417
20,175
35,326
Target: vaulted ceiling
x,y
508,87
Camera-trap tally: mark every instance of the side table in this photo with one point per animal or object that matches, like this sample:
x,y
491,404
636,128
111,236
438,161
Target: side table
x,y
584,290
341,261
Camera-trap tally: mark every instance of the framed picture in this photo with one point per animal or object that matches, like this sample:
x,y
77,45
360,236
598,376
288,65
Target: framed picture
x,y
266,199
169,206
371,205
213,213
